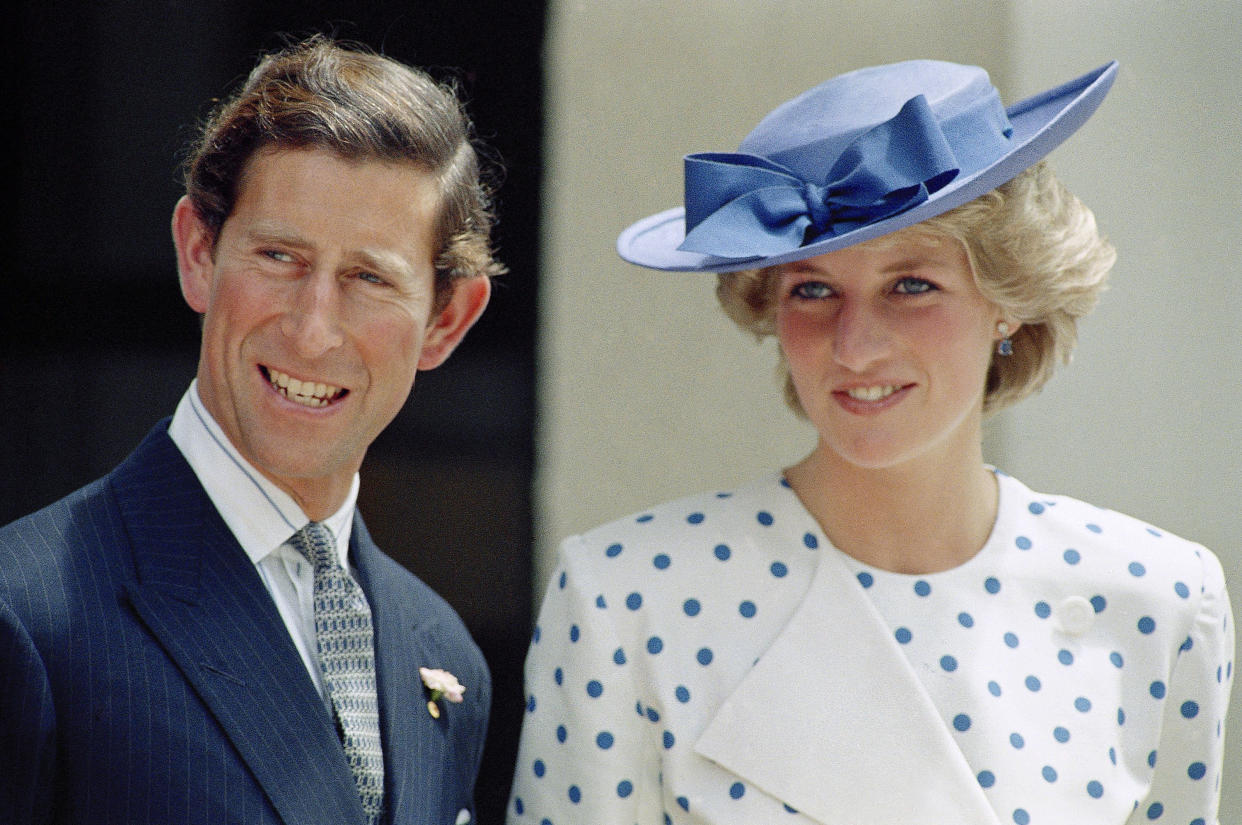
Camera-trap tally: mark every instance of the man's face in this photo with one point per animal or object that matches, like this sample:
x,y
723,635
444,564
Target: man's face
x,y
317,303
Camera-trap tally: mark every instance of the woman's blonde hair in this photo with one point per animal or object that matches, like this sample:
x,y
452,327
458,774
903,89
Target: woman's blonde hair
x,y
1035,253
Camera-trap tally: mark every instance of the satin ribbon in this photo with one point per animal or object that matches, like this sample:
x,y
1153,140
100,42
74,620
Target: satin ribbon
x,y
742,206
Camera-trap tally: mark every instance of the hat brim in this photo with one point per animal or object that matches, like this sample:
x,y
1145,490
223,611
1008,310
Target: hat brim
x,y
1040,124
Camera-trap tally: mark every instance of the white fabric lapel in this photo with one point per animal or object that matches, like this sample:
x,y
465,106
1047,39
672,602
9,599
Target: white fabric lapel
x,y
833,721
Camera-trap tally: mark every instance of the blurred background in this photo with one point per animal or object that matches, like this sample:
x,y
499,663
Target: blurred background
x,y
593,388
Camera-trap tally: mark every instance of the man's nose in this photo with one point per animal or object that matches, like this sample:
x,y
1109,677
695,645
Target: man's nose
x,y
312,322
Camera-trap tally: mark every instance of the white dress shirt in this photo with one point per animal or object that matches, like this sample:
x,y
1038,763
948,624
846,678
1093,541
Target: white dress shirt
x,y
262,518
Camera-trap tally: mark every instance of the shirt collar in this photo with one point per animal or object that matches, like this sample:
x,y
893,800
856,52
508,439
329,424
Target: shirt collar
x,y
260,515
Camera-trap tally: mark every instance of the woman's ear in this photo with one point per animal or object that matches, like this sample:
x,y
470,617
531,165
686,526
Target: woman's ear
x,y
195,265
447,329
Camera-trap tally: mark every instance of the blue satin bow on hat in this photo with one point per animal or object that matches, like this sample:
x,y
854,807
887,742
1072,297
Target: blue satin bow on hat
x,y
741,205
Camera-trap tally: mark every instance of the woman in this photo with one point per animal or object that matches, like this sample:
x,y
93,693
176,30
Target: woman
x,y
889,631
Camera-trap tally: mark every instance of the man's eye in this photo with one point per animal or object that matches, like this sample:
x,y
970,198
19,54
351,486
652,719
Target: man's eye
x,y
371,278
277,255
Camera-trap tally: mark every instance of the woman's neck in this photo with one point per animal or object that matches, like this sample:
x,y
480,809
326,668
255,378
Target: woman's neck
x,y
923,517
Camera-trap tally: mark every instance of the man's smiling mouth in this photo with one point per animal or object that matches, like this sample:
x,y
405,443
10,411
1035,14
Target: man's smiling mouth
x,y
306,393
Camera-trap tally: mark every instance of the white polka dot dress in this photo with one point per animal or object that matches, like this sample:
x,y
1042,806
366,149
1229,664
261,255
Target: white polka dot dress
x,y
1077,669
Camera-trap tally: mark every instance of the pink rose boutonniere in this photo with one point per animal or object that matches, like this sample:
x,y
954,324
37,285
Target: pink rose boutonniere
x,y
443,685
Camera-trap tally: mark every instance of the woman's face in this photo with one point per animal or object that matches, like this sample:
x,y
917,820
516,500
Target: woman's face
x,y
888,345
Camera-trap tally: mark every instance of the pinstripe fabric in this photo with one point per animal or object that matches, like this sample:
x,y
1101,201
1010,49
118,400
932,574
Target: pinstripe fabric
x,y
146,676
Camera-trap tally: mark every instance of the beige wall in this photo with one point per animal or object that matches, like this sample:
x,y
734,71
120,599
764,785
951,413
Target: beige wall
x,y
648,393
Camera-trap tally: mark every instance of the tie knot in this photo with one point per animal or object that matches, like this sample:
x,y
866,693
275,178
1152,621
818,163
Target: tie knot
x,y
316,543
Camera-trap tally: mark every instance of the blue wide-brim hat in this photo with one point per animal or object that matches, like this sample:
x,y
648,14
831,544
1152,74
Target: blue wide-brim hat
x,y
857,157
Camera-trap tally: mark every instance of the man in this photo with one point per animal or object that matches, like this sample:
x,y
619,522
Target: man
x,y
208,634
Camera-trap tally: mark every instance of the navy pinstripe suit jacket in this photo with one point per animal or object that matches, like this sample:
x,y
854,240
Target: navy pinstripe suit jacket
x,y
146,675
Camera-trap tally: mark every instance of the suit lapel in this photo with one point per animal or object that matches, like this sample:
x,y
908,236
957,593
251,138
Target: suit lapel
x,y
833,721
203,601
414,743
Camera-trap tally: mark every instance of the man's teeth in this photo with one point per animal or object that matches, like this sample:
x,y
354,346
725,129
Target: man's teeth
x,y
310,393
872,393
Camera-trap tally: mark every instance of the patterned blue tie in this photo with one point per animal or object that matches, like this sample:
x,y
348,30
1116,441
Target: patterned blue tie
x,y
347,657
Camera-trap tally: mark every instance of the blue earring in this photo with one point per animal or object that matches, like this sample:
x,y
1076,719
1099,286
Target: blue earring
x,y
1004,347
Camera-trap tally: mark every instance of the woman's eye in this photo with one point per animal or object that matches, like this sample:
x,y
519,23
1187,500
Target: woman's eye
x,y
914,286
811,290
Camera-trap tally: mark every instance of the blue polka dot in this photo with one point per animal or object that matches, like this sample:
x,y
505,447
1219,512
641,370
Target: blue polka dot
x,y
695,518
1157,690
683,803
1095,528
654,645
1082,704
618,656
1021,817
1011,640
1016,740
575,633
624,788
779,570
866,579
1151,759
682,693
1094,789
994,688
575,794
1121,716
1190,709
643,519
1186,645
1099,603
634,601
1065,657
1116,659
1050,774
653,715
737,790
1112,755
604,740
922,587
530,705
1146,625
1035,507
747,609
723,552
961,722
948,663
539,768
704,656
764,518
561,734
613,551
669,741
1060,734
1043,610
564,578
1198,820
692,607
537,634
1137,569
965,620
1181,590
594,689
903,635
1155,811
1023,543
601,603
519,807
1033,683
992,585
1197,770
1071,556
661,561
986,778
810,541
558,676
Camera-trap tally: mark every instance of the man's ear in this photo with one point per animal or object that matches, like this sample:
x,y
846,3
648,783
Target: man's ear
x,y
446,330
194,249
